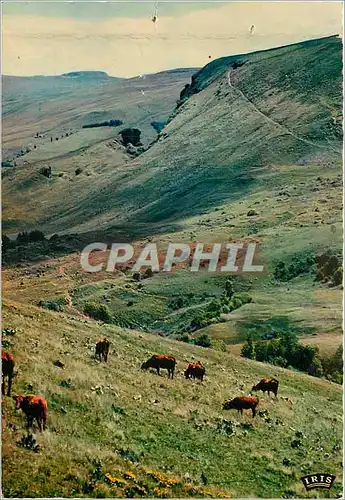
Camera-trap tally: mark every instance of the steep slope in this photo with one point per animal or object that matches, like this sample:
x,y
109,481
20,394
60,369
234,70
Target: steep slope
x,y
118,420
246,117
257,133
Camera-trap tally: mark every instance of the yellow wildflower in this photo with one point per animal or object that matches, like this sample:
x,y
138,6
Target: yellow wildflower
x,y
117,481
161,492
130,475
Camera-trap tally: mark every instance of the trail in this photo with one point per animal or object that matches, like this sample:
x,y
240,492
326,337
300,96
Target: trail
x,y
277,124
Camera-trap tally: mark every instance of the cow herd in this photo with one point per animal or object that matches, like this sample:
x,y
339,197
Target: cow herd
x,y
197,371
35,407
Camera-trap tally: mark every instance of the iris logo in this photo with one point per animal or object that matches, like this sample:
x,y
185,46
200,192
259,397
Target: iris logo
x,y
318,481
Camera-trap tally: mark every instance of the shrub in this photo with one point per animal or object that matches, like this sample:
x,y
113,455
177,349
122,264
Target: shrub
x,y
6,163
199,321
97,311
46,171
148,273
51,305
158,126
229,288
332,365
176,303
203,340
285,351
23,238
302,264
315,368
183,337
6,243
78,171
131,135
110,123
36,235
219,345
248,349
337,278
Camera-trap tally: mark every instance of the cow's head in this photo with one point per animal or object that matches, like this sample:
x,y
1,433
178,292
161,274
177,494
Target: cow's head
x,y
18,400
144,366
228,405
254,389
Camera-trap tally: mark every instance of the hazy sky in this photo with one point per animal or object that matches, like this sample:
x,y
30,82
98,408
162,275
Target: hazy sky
x,y
121,39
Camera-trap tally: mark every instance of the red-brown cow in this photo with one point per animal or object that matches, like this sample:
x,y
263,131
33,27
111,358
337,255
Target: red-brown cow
x,y
34,407
102,349
267,385
242,403
158,361
7,368
195,370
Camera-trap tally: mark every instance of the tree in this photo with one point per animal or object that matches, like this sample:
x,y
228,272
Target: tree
x,y
229,288
315,368
98,312
248,349
23,238
46,171
36,235
6,243
131,135
261,351
203,340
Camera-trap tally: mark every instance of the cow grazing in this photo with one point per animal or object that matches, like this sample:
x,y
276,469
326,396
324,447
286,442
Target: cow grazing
x,y
34,407
195,370
242,403
158,361
7,368
267,385
102,349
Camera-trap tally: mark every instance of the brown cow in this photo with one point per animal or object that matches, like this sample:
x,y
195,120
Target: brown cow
x,y
267,384
158,361
7,368
102,349
195,370
34,407
242,403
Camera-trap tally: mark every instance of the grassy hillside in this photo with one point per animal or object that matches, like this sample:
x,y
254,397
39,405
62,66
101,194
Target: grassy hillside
x,y
251,153
204,160
280,113
60,104
118,415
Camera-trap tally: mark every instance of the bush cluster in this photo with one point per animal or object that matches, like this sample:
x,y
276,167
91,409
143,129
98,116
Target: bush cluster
x,y
97,311
158,126
285,351
110,123
301,264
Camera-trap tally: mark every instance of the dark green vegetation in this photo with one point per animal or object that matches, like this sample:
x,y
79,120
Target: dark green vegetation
x,y
115,419
159,304
110,123
286,351
251,153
